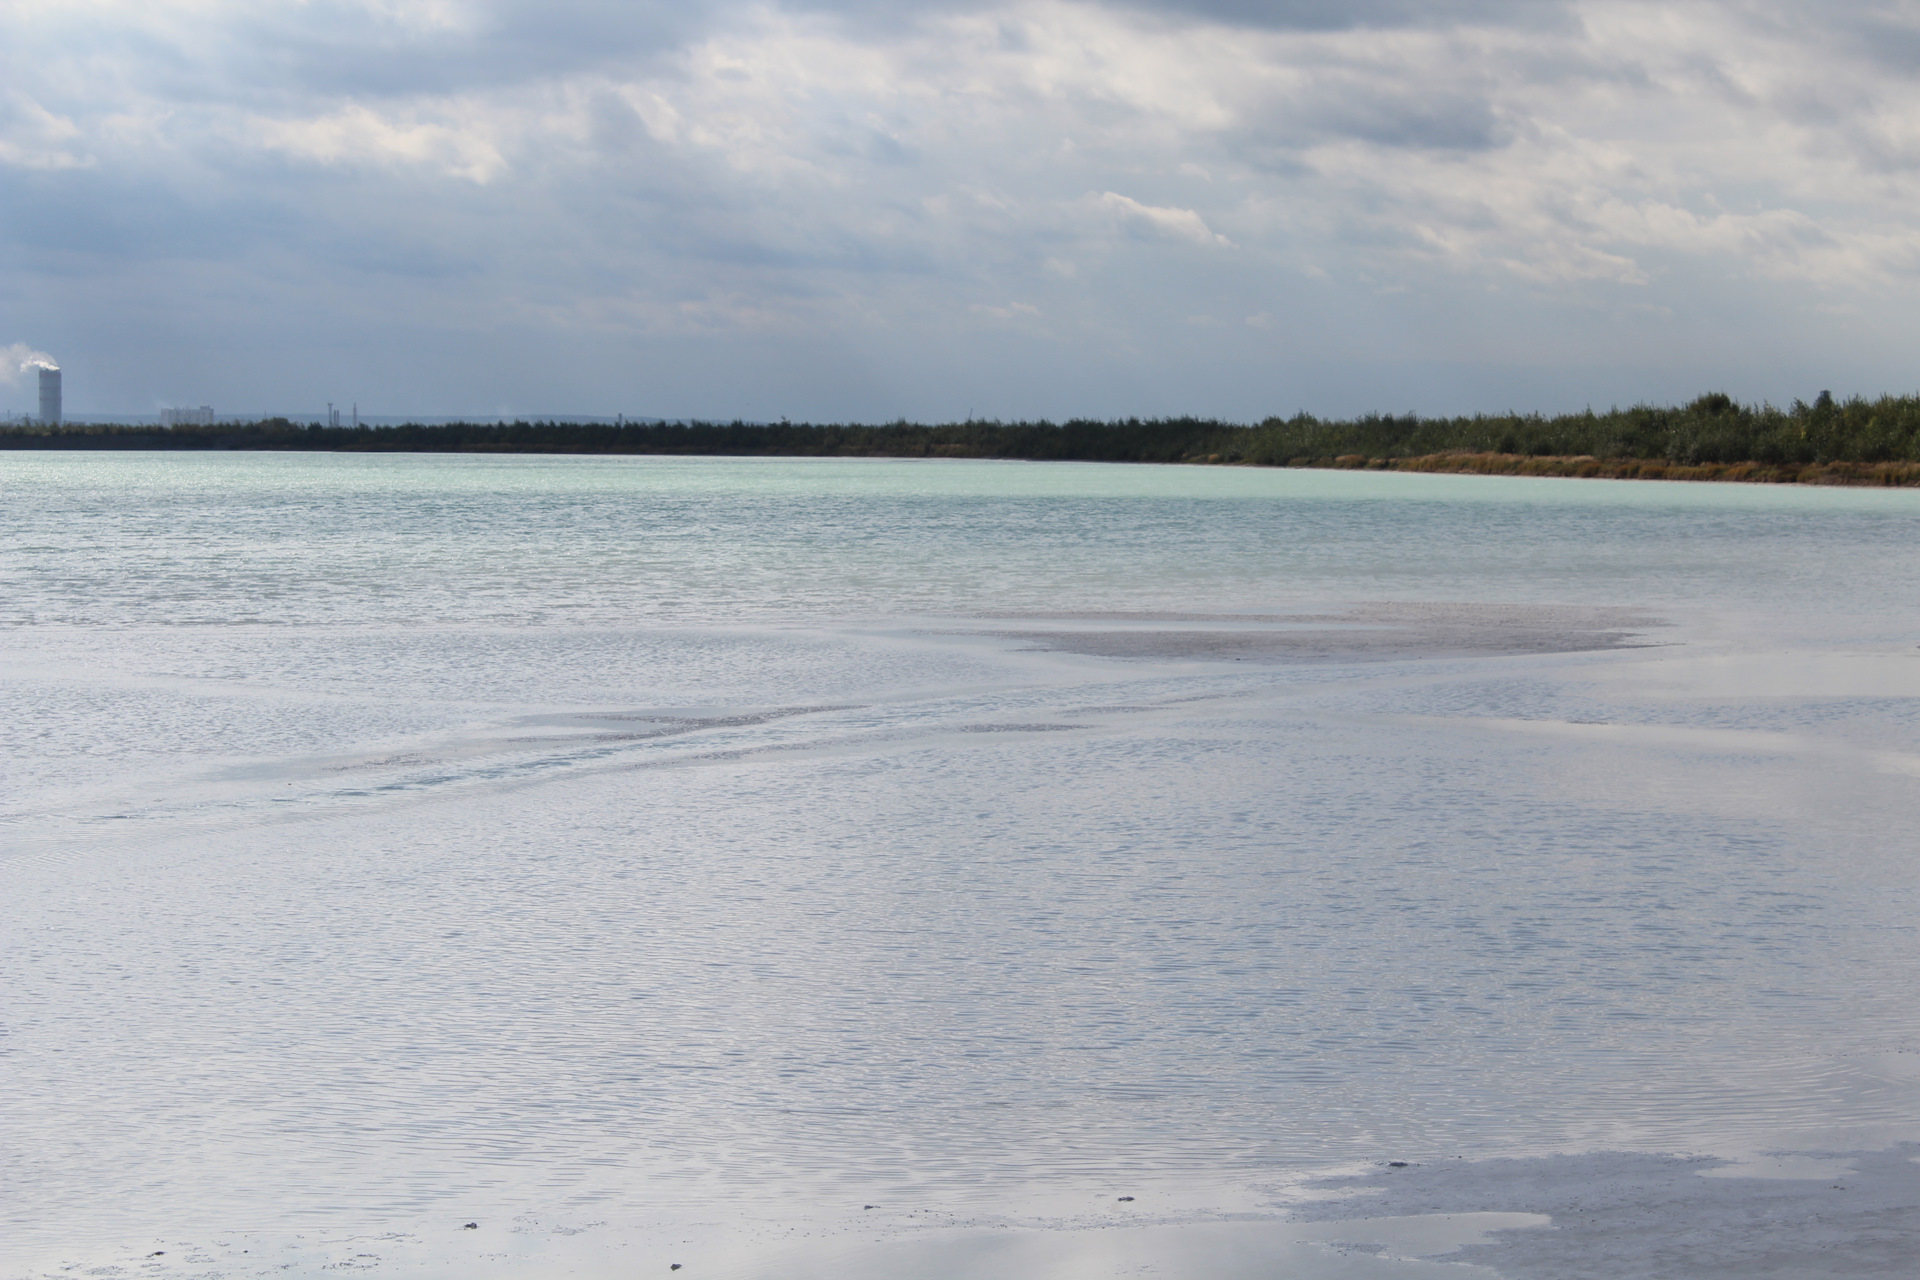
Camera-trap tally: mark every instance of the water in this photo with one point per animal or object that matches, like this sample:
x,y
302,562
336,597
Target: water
x,y
595,844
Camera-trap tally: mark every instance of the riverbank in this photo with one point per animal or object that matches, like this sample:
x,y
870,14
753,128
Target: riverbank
x,y
1881,474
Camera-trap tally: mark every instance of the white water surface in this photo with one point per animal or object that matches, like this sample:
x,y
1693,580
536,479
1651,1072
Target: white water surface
x,y
659,860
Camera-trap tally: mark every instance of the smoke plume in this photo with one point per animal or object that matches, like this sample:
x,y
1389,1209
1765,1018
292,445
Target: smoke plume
x,y
18,357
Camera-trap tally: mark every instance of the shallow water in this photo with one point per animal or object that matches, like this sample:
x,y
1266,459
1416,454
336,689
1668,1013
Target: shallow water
x,y
613,846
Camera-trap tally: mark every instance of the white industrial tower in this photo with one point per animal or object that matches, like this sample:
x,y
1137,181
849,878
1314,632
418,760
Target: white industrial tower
x,y
49,396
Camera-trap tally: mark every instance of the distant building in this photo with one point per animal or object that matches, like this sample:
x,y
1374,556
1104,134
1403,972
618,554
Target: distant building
x,y
49,396
201,417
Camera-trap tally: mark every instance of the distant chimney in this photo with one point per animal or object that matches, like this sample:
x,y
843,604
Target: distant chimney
x,y
50,396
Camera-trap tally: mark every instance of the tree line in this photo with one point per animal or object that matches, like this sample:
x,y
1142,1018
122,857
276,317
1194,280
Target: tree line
x,y
1711,432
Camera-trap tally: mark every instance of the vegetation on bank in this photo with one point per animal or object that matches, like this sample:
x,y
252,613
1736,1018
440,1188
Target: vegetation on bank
x,y
1713,438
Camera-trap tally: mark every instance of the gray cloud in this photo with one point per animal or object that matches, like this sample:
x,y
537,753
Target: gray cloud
x,y
852,209
1345,15
1285,15
340,47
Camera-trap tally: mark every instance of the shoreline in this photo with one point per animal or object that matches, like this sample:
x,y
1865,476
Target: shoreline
x,y
1583,467
1885,475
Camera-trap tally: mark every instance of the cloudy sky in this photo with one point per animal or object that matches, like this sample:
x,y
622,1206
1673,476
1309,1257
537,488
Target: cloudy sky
x,y
862,209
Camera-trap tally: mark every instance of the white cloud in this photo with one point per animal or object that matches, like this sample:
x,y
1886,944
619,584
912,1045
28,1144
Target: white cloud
x,y
358,134
1012,311
1181,224
32,137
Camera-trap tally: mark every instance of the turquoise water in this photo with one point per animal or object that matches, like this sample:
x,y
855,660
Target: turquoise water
x,y
342,540
615,844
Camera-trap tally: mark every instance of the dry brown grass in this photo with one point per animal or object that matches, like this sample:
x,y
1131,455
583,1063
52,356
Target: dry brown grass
x,y
1886,474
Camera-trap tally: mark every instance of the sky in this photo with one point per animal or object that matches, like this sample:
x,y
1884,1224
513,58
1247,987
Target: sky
x,y
859,210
